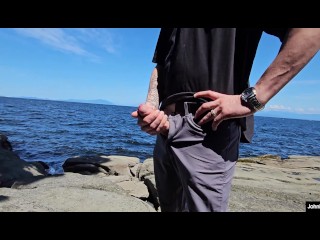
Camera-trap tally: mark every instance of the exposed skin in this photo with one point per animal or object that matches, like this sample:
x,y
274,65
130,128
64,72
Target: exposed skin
x,y
150,119
153,95
298,48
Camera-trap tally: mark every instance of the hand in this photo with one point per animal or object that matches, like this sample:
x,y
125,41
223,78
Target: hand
x,y
221,107
151,120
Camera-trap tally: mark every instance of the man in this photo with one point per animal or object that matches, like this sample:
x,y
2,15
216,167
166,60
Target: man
x,y
202,83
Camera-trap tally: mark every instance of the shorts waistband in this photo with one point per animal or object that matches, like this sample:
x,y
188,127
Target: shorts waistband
x,y
182,103
182,108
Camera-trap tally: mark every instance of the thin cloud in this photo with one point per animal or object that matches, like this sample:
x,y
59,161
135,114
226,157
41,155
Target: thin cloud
x,y
278,108
56,38
299,110
100,37
75,40
307,110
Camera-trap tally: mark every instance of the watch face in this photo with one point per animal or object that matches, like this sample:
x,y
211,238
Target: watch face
x,y
249,96
246,94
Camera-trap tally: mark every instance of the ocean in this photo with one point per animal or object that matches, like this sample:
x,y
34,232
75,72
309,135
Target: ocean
x,y
52,131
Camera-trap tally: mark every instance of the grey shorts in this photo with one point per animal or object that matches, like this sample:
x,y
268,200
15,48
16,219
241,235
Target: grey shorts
x,y
194,165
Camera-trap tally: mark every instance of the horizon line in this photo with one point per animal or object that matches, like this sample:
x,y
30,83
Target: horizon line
x,y
268,113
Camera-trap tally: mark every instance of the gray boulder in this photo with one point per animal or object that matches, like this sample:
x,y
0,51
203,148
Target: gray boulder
x,y
146,169
4,143
110,165
12,169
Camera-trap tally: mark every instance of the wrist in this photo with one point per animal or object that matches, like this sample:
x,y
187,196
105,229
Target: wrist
x,y
250,99
153,105
261,94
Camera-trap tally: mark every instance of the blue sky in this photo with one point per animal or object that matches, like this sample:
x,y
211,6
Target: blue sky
x,y
115,65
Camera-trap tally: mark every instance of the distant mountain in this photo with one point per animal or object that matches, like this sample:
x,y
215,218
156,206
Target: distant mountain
x,y
281,114
35,98
95,101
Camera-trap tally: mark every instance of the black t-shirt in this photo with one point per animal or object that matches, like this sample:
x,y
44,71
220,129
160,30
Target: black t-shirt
x,y
218,59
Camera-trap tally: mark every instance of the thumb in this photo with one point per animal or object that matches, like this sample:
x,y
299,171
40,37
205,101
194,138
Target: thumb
x,y
145,109
134,114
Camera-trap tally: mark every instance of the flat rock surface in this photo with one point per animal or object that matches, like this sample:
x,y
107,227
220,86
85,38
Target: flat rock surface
x,y
70,193
269,184
261,184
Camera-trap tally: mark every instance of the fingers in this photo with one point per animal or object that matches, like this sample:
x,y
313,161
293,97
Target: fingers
x,y
205,119
163,126
215,117
160,123
148,119
145,109
208,117
152,121
212,111
158,120
216,121
207,94
206,107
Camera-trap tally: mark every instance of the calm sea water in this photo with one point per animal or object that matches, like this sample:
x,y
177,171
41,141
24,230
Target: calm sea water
x,y
52,131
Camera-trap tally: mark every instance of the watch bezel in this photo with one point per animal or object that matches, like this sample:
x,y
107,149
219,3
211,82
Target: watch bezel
x,y
249,96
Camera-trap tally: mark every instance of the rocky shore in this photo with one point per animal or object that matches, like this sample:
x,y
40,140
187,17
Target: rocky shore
x,y
123,184
269,184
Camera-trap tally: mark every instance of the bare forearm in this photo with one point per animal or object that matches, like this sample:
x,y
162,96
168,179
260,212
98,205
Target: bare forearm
x,y
153,94
150,119
300,45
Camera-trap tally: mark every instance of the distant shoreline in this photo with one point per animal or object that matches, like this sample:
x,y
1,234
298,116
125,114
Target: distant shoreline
x,y
265,113
93,101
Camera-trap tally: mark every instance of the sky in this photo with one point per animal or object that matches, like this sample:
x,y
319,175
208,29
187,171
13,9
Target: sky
x,y
115,64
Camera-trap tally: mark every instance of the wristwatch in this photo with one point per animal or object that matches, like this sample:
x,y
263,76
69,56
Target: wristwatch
x,y
249,96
